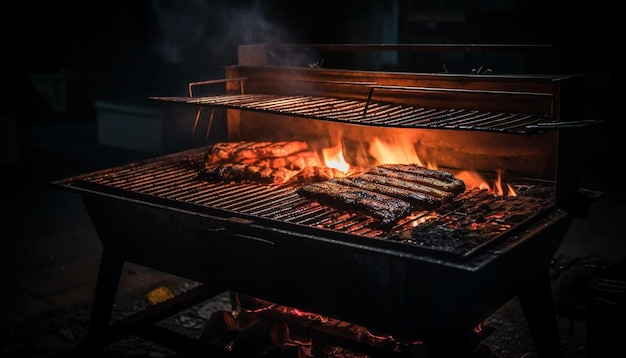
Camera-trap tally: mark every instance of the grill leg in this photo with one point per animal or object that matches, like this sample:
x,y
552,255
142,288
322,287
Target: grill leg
x,y
104,298
109,275
538,308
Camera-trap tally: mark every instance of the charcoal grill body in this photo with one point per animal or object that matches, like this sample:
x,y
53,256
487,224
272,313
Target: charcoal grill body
x,y
416,294
418,297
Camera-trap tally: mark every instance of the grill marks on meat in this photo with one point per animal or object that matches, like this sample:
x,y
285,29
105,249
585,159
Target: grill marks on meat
x,y
437,179
387,191
417,199
437,195
335,194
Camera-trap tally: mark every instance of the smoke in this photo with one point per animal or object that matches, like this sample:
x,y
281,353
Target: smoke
x,y
202,33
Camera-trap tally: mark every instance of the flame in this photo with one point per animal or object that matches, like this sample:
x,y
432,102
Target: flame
x,y
403,151
474,180
498,187
333,158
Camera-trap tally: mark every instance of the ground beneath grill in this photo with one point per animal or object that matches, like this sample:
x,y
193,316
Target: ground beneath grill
x,y
54,333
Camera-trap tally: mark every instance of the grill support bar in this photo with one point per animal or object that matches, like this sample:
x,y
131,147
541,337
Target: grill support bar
x,y
101,333
535,299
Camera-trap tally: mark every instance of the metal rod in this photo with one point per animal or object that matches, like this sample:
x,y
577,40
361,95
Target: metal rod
x,y
195,123
208,128
209,82
563,125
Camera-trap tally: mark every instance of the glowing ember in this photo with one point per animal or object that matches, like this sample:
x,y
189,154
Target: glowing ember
x,y
478,328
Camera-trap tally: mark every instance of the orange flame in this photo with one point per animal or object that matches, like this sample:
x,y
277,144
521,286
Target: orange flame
x,y
498,187
333,158
403,151
474,180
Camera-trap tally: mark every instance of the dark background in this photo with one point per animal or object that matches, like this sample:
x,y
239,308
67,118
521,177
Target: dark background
x,y
127,49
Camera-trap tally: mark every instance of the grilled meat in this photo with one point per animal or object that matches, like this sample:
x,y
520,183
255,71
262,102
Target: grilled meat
x,y
281,149
437,179
396,185
316,173
417,199
268,150
385,208
401,183
262,162
296,161
247,172
224,152
236,152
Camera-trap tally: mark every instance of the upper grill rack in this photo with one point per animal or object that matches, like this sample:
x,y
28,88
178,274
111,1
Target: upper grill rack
x,y
372,113
373,103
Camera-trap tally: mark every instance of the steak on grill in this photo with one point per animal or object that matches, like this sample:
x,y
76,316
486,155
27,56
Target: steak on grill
x,y
332,193
438,179
417,199
402,188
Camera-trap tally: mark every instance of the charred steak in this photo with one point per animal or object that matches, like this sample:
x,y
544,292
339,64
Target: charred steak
x,y
401,187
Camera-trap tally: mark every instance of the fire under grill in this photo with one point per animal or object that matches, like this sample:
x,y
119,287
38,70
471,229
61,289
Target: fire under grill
x,y
432,276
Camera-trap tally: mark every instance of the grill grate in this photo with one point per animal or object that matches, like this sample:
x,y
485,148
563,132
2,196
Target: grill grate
x,y
454,228
372,113
177,179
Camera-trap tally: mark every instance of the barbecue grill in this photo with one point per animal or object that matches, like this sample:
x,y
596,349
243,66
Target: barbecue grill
x,y
432,277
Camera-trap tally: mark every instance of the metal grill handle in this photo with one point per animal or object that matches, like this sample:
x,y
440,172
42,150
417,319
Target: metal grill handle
x,y
209,82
